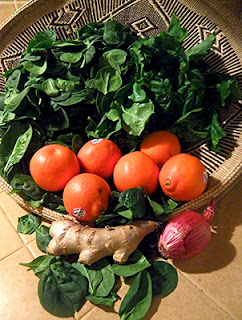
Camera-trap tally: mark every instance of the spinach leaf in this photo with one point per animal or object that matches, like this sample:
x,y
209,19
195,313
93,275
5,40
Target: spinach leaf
x,y
115,33
136,263
26,187
115,58
71,57
40,264
156,207
134,200
28,223
164,278
19,149
108,278
92,273
36,67
16,99
137,301
62,289
106,301
108,80
43,237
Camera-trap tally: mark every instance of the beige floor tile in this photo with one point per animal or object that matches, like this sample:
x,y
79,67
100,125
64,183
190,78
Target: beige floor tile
x,y
6,9
18,290
187,302
9,239
216,270
13,211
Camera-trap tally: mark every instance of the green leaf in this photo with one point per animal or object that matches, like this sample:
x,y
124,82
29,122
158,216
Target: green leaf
x,y
108,80
39,264
43,238
228,90
156,207
186,116
116,33
137,301
15,102
115,58
164,278
62,289
136,263
137,116
71,57
216,133
138,95
106,301
49,87
26,187
36,67
92,273
200,50
108,278
175,29
133,199
28,223
19,149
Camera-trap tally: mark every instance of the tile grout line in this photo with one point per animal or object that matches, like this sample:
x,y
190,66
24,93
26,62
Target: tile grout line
x,y
12,225
208,295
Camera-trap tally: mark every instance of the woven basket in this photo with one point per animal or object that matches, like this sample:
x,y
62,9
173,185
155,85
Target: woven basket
x,y
147,18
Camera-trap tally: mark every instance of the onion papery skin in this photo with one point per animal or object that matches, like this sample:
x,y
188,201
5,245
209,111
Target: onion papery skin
x,y
184,236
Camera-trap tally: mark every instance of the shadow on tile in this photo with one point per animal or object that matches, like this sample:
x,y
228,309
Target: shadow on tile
x,y
220,252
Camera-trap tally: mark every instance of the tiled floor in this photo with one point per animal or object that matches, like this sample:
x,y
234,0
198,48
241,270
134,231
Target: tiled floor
x,y
210,285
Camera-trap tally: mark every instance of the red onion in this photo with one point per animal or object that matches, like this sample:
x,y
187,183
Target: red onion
x,y
187,234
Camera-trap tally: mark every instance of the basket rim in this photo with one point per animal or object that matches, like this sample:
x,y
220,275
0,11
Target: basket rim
x,y
229,24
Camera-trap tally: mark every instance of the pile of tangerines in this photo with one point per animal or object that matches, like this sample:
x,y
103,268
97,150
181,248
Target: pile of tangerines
x,y
82,177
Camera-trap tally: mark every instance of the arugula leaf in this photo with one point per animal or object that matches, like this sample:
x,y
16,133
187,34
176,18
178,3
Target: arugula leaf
x,y
216,133
28,223
137,116
200,50
175,29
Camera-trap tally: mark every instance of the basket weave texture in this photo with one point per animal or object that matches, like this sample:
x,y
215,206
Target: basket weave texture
x,y
146,18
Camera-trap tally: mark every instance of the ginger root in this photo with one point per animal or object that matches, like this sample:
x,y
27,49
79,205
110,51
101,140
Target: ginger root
x,y
92,244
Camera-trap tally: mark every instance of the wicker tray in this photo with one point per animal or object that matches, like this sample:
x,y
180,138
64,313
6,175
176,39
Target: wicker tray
x,y
147,18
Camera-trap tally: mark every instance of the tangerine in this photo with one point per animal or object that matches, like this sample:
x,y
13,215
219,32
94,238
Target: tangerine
x,y
52,166
183,177
161,146
136,169
86,196
99,156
